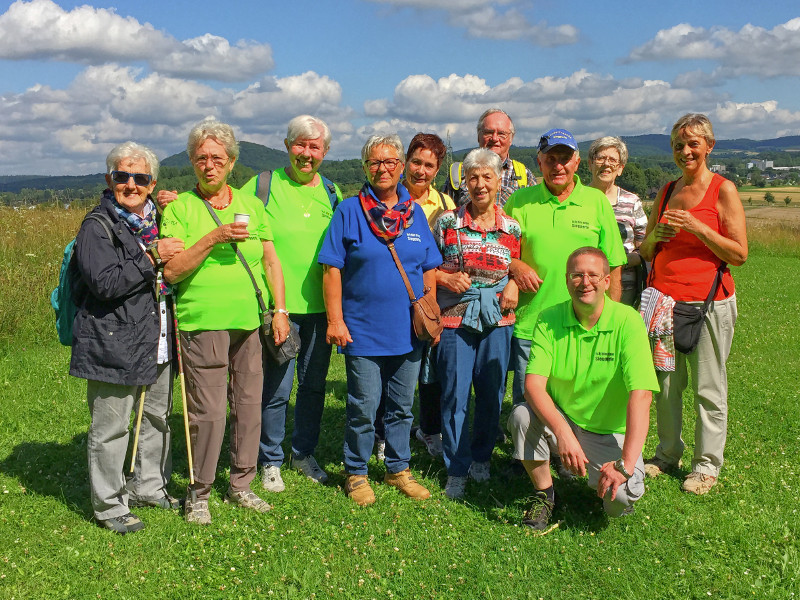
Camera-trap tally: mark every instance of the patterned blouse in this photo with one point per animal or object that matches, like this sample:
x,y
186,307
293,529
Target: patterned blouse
x,y
484,255
631,219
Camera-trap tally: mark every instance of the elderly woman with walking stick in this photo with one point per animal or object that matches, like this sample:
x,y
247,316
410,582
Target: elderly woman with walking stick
x,y
228,261
121,339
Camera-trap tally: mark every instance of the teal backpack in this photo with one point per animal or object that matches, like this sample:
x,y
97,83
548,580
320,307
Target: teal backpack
x,y
61,299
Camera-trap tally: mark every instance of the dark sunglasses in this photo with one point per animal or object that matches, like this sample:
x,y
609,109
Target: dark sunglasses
x,y
140,179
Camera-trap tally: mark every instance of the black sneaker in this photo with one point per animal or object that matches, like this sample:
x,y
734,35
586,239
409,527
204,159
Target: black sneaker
x,y
166,502
538,516
123,524
563,473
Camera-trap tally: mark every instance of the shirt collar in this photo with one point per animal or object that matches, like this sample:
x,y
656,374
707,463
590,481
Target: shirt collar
x,y
604,323
464,220
575,196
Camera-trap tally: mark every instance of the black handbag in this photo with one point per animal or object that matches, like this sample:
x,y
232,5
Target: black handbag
x,y
687,319
288,349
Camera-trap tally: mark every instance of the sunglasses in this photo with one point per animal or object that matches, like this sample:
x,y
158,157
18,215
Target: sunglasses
x,y
140,179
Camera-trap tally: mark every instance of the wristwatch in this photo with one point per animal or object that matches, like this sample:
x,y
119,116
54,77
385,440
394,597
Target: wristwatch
x,y
152,249
620,466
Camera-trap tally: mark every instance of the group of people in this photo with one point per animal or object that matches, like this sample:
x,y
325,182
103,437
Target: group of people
x,y
528,277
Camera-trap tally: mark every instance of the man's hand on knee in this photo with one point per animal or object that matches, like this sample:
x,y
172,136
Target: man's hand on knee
x,y
571,453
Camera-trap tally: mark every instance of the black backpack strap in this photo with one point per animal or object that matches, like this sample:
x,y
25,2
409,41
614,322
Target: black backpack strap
x,y
667,195
263,184
332,195
104,221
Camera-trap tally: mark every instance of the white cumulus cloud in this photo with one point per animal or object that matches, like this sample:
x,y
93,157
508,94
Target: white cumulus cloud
x,y
588,104
42,30
498,20
70,130
752,50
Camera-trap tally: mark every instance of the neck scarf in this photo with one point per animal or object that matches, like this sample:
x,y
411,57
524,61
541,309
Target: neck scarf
x,y
387,223
144,228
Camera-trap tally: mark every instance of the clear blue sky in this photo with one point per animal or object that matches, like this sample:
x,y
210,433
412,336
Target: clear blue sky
x,y
75,78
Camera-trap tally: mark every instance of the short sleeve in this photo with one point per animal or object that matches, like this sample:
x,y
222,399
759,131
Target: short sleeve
x,y
333,251
637,364
173,223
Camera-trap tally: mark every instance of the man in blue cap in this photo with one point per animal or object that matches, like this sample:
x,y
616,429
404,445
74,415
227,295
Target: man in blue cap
x,y
557,216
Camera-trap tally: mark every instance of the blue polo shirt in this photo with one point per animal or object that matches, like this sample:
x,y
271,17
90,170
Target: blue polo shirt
x,y
375,303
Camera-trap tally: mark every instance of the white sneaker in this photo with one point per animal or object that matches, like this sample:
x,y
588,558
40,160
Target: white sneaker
x,y
433,442
380,449
271,479
479,471
455,487
308,466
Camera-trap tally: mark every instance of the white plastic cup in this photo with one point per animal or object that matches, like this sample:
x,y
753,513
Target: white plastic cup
x,y
241,218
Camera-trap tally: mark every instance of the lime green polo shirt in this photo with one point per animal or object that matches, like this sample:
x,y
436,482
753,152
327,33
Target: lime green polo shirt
x,y
591,373
551,231
299,216
219,294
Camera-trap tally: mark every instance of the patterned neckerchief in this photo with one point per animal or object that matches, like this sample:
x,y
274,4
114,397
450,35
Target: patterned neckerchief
x,y
387,223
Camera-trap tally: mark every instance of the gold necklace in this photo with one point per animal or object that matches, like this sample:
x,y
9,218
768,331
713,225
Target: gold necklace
x,y
224,206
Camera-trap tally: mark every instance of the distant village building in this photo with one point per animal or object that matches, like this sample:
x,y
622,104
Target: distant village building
x,y
761,164
718,168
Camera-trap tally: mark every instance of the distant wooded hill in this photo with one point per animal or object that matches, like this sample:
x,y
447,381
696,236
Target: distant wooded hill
x,y
647,151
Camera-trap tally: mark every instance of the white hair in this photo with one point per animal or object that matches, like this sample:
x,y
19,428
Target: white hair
x,y
132,150
306,126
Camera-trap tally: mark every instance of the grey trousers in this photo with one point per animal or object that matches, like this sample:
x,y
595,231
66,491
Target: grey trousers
x,y
530,437
710,387
110,406
223,367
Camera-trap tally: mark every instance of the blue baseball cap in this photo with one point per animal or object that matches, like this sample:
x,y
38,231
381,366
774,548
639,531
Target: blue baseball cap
x,y
557,137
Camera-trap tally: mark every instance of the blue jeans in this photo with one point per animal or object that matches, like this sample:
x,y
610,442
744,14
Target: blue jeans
x,y
366,377
467,358
312,370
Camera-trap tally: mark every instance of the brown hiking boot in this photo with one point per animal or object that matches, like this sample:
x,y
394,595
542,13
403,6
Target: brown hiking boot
x,y
405,482
653,467
698,483
358,489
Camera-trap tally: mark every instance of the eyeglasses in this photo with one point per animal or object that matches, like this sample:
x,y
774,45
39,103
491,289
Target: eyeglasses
x,y
593,278
140,179
389,163
501,134
605,160
217,161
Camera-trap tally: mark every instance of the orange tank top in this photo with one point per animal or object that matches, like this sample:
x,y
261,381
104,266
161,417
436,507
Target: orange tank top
x,y
685,267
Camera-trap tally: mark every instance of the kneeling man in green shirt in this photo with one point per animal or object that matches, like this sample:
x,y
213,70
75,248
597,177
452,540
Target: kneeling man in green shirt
x,y
589,383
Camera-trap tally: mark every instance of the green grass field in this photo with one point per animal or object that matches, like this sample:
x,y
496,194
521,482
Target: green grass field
x,y
739,541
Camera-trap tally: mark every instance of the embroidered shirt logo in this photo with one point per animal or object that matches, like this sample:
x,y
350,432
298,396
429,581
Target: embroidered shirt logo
x,y
413,237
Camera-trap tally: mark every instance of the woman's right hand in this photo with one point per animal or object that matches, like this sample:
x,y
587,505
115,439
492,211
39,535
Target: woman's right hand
x,y
169,247
230,233
164,197
458,282
663,232
338,334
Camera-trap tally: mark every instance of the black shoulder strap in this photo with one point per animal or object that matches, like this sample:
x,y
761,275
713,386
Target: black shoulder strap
x,y
667,194
104,221
263,184
332,196
259,296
